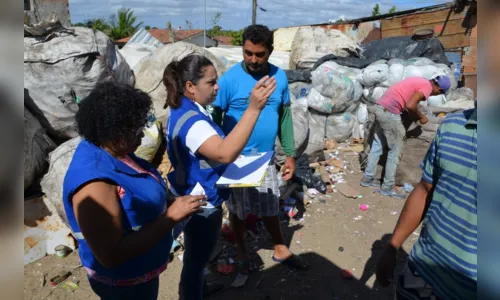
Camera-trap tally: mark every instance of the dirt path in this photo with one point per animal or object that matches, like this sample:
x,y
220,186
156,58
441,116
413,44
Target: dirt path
x,y
332,236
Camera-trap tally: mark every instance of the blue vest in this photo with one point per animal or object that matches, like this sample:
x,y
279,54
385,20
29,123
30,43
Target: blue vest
x,y
144,200
190,169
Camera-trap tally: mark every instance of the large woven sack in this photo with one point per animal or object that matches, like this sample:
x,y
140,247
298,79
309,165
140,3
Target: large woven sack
x,y
312,43
339,127
37,146
52,182
61,68
149,72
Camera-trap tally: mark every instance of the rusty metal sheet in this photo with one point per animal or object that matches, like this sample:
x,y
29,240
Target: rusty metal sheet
x,y
362,33
43,230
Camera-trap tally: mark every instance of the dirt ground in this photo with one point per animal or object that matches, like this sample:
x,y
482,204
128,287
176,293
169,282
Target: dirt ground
x,y
332,236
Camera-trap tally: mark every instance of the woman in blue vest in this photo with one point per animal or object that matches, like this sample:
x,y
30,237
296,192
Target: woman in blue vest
x,y
199,152
116,203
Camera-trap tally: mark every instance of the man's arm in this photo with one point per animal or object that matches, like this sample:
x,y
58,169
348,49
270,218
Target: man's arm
x,y
412,214
412,105
285,132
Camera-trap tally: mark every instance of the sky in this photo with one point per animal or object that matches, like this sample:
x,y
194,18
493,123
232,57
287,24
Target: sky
x,y
238,14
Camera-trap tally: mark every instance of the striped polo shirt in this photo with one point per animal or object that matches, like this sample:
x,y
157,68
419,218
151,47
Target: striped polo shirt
x,y
445,255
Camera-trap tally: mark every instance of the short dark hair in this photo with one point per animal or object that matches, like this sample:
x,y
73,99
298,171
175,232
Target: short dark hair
x,y
177,73
259,34
111,112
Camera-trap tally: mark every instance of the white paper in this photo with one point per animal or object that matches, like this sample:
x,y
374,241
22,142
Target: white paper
x,y
198,190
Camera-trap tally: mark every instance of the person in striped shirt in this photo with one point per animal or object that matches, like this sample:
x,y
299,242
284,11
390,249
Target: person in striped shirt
x,y
443,261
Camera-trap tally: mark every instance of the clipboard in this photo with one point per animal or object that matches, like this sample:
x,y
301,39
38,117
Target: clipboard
x,y
246,171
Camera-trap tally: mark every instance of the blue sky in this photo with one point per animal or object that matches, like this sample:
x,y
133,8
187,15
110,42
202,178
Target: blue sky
x,y
238,14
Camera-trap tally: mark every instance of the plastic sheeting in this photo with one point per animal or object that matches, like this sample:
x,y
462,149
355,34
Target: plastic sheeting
x,y
37,146
134,53
149,72
64,66
233,55
403,47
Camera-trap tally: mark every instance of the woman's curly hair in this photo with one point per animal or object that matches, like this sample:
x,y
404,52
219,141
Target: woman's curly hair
x,y
111,113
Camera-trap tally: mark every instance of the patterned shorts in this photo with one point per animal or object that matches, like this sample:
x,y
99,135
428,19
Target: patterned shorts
x,y
410,286
262,201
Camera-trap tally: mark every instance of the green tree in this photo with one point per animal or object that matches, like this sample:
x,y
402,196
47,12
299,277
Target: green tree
x,y
99,24
215,31
376,10
393,9
124,24
237,37
147,27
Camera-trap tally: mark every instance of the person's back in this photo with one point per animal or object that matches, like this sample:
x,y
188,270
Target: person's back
x,y
398,95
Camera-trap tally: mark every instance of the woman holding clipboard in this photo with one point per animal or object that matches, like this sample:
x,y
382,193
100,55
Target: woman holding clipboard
x,y
199,152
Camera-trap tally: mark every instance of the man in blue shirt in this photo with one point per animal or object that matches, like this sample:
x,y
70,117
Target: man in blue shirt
x,y
275,120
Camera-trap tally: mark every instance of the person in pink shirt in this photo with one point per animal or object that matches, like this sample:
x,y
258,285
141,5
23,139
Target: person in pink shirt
x,y
389,129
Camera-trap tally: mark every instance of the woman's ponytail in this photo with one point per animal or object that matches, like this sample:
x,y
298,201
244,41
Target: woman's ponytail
x,y
172,81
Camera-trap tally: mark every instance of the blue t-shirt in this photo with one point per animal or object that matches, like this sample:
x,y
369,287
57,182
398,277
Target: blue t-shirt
x,y
234,96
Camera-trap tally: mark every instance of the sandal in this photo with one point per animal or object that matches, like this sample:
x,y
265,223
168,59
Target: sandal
x,y
293,262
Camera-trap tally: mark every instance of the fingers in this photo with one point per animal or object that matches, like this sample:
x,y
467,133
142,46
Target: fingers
x,y
270,89
261,82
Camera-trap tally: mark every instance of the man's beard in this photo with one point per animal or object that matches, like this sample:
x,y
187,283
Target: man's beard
x,y
258,69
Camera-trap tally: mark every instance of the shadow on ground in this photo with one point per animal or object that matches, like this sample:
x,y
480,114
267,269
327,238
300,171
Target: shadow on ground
x,y
322,281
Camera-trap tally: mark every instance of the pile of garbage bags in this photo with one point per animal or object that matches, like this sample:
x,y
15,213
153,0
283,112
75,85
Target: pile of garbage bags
x,y
377,77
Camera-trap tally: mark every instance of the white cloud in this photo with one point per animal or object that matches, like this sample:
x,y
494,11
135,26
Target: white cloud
x,y
238,14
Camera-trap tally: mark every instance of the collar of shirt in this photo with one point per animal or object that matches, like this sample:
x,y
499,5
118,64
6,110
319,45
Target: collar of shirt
x,y
472,117
202,109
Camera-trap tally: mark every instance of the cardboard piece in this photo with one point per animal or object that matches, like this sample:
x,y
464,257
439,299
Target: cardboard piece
x,y
347,190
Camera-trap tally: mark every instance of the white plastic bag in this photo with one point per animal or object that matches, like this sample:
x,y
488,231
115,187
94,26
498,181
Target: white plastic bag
x,y
150,142
376,75
339,127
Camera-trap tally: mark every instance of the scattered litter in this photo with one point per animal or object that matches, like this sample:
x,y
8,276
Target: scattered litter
x,y
341,249
301,220
299,234
59,278
313,192
408,187
363,207
360,196
61,251
394,213
358,218
180,257
70,285
416,233
346,274
240,280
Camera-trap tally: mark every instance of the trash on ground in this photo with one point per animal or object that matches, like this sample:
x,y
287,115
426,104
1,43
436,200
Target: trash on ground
x,y
346,190
59,278
358,218
363,207
341,249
